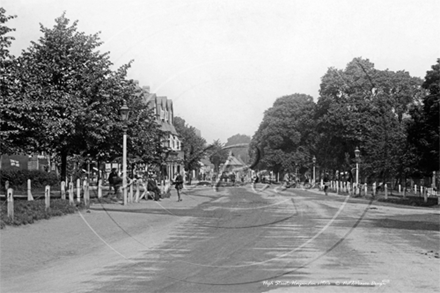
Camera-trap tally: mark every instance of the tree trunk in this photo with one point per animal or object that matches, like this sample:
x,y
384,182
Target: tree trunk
x,y
63,164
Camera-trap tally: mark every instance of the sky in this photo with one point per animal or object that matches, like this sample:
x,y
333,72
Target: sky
x,y
224,62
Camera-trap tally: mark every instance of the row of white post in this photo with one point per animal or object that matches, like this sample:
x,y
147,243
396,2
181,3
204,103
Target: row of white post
x,y
133,195
352,189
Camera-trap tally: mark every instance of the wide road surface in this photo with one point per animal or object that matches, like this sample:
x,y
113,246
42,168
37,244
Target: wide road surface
x,y
267,240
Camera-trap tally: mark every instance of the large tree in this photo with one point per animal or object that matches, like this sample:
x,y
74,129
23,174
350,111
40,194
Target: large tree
x,y
69,97
424,129
286,135
241,152
193,146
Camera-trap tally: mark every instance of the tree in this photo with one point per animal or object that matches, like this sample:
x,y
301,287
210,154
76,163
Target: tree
x,y
424,128
286,135
365,107
243,153
218,155
69,97
8,119
193,146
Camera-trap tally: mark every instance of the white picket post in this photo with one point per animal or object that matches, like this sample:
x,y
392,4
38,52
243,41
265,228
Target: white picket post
x,y
137,191
366,189
71,193
10,199
86,194
29,191
47,196
374,189
415,189
400,189
337,187
78,190
100,188
386,191
63,190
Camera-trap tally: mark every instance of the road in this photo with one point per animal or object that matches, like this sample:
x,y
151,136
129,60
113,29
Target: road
x,y
254,240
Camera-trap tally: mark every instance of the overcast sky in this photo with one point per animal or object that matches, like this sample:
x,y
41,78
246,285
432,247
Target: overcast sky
x,y
223,63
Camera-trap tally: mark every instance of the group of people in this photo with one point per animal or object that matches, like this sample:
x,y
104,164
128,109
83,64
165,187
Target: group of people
x,y
115,182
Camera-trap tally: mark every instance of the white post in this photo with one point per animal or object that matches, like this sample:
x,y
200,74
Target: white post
x,y
100,188
47,196
86,194
63,190
337,187
366,189
137,191
400,189
10,199
374,188
78,190
415,189
131,194
29,191
424,192
71,193
386,191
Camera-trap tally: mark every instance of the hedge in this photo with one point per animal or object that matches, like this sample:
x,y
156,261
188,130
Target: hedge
x,y
18,178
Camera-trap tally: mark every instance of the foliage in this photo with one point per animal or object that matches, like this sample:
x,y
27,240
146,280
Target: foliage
x,y
8,124
193,146
217,155
424,128
243,153
68,97
366,108
286,135
18,178
27,212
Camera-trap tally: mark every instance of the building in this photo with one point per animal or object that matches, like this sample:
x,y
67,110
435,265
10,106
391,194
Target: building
x,y
163,108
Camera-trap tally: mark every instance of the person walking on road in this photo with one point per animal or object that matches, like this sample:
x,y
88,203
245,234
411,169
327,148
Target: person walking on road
x,y
326,183
178,182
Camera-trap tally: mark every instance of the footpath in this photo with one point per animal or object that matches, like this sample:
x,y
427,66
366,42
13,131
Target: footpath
x,y
56,255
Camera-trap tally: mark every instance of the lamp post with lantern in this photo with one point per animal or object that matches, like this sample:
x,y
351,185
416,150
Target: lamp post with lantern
x,y
124,117
357,153
314,164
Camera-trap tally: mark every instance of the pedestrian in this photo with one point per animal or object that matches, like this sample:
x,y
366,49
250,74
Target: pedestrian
x,y
114,181
178,182
152,186
326,183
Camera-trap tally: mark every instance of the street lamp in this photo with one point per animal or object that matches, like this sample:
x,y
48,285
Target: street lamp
x,y
314,163
124,117
357,153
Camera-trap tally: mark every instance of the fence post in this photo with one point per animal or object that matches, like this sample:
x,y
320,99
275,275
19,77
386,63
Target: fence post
x,y
386,190
415,189
337,187
78,190
29,191
71,193
100,188
425,193
400,189
63,190
10,199
374,189
47,196
137,191
86,194
366,189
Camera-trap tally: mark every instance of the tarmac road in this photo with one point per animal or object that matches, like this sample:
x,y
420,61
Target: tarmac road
x,y
232,240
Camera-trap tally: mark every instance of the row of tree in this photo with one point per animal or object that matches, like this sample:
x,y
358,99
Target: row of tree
x,y
391,117
62,97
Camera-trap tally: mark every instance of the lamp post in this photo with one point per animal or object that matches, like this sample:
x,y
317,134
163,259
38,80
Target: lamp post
x,y
314,163
124,117
357,153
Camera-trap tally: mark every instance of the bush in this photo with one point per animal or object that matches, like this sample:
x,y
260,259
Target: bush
x,y
18,178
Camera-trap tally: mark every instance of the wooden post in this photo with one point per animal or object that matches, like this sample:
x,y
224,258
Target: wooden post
x,y
29,191
130,197
424,192
100,188
374,189
47,196
137,191
366,189
400,189
386,190
10,199
337,187
63,190
78,190
71,193
415,189
86,194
